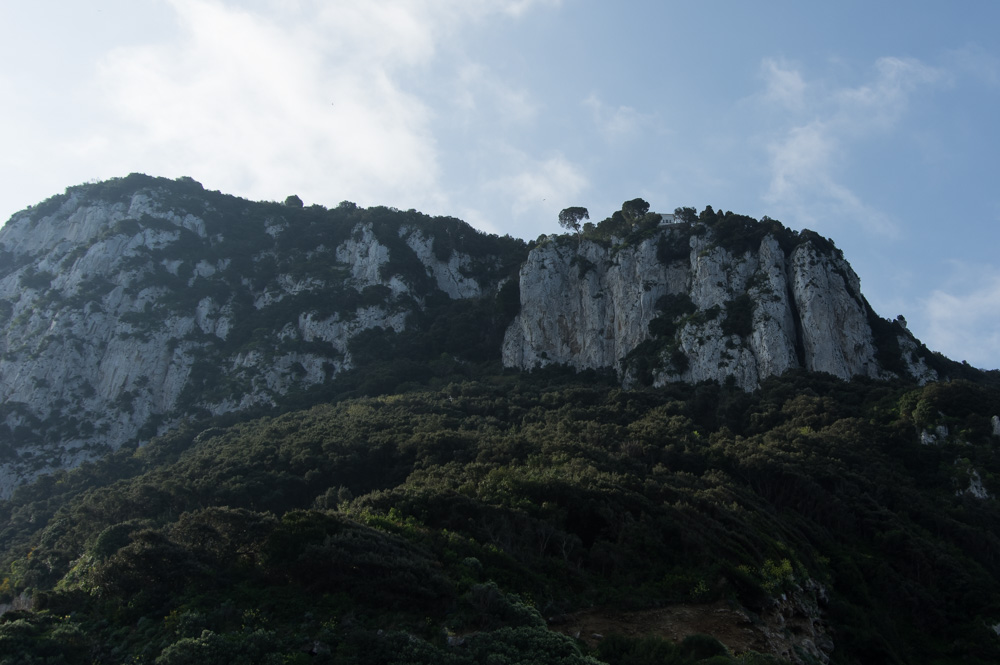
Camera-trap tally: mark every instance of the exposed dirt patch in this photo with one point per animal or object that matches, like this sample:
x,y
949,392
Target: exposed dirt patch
x,y
729,625
785,630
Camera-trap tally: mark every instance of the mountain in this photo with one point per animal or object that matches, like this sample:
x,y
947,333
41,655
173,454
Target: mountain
x,y
274,433
131,305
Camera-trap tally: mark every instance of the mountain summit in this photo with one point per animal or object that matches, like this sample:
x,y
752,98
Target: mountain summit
x,y
130,305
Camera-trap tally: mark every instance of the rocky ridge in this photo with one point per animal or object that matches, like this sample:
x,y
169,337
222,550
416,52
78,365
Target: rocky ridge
x,y
130,305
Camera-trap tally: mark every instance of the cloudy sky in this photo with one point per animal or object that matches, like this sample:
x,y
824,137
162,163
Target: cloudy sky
x,y
875,124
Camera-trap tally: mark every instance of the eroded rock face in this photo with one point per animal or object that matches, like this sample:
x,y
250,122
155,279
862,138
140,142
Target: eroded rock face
x,y
451,276
969,476
584,306
122,313
835,331
747,316
794,626
712,351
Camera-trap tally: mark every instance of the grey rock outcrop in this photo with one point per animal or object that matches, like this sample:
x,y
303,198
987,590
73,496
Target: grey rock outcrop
x,y
583,307
836,335
970,475
745,316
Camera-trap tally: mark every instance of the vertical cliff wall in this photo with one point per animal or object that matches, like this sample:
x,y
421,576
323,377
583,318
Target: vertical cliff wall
x,y
682,304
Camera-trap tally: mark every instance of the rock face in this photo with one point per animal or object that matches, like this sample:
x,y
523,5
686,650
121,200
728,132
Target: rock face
x,y
583,307
130,305
680,305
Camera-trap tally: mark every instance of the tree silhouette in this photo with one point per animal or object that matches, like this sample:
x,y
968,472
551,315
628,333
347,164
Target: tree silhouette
x,y
634,210
570,218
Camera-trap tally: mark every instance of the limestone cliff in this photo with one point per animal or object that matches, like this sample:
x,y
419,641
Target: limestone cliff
x,y
678,303
129,305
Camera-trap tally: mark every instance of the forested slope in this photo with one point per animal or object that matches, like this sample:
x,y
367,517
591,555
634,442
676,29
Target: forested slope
x,y
132,305
849,521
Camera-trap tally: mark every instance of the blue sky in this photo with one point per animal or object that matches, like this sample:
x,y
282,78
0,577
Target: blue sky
x,y
874,124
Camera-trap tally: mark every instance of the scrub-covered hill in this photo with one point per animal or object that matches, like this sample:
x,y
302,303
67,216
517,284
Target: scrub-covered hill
x,y
509,519
129,306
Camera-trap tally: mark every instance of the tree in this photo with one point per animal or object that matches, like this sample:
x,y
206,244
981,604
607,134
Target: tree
x,y
570,218
293,201
686,214
634,210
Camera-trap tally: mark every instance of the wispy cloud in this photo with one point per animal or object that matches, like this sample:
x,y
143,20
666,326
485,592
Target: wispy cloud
x,y
237,82
516,8
784,85
804,167
802,158
963,317
480,92
322,99
810,153
541,187
976,62
617,123
878,104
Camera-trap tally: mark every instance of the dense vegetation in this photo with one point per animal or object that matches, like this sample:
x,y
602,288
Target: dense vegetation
x,y
736,233
447,525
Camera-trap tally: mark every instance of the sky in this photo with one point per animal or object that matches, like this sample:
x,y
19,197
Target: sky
x,y
874,124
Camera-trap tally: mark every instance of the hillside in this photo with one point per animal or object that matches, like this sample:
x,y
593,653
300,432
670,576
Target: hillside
x,y
814,519
275,433
129,306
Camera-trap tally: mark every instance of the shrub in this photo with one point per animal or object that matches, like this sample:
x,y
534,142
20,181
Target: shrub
x,y
739,316
700,647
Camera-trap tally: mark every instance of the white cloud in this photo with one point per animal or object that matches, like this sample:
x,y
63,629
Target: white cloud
x,y
328,100
963,318
803,179
480,93
617,124
264,107
516,8
541,186
809,157
976,62
879,104
801,159
785,86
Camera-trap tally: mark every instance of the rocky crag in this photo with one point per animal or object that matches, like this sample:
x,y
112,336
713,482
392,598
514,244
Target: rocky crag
x,y
131,305
681,302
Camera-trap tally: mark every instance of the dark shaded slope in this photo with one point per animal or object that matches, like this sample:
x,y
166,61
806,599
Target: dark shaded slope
x,y
420,512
